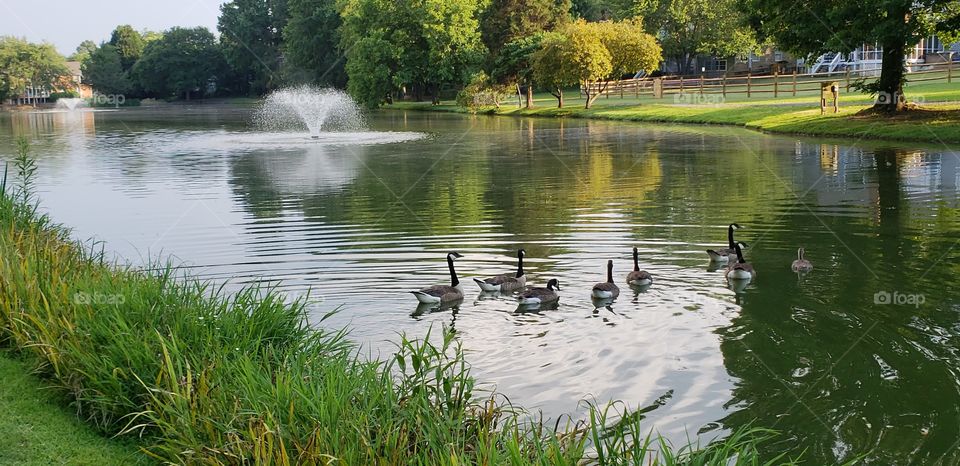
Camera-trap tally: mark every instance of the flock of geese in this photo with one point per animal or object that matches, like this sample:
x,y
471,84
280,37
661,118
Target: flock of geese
x,y
737,270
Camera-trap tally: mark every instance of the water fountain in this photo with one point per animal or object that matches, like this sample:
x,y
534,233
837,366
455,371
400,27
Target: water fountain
x,y
297,118
307,107
70,103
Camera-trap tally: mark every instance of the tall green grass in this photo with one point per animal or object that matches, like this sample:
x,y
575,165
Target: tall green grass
x,y
207,377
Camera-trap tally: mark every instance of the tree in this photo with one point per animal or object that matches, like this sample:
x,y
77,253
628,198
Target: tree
x,y
514,63
550,67
312,41
593,54
182,62
504,21
83,52
104,71
600,10
129,44
421,46
24,64
251,34
687,28
814,27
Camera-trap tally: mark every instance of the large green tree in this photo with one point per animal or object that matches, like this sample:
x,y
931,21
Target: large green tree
x,y
84,50
251,34
129,44
813,27
103,70
503,21
687,28
551,67
312,43
420,46
183,62
24,64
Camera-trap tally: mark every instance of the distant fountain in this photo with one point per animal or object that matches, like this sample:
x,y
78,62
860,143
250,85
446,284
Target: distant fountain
x,y
70,103
315,109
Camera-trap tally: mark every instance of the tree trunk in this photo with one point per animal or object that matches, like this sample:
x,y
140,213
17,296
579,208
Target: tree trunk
x,y
529,95
890,85
559,95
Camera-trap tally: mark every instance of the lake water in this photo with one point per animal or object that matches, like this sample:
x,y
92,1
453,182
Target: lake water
x,y
820,358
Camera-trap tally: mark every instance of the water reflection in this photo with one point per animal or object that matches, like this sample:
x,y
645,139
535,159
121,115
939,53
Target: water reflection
x,y
361,226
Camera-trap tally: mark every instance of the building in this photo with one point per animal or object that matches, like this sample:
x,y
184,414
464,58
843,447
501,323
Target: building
x,y
72,82
867,58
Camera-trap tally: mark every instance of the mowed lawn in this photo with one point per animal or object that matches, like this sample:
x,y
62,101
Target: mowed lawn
x,y
38,428
935,120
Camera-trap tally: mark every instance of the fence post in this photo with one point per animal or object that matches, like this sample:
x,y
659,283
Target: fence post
x,y
636,88
681,84
794,82
724,86
950,68
749,76
776,84
848,81
701,84
621,88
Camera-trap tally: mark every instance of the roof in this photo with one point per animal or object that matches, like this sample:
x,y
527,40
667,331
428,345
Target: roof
x,y
74,67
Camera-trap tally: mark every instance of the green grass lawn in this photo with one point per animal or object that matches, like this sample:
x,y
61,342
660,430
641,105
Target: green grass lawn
x,y
37,427
937,121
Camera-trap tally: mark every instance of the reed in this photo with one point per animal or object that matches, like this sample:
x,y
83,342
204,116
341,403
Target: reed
x,y
208,377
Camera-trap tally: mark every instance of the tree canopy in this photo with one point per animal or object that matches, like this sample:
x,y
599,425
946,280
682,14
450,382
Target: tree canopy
x,y
312,43
593,54
251,36
24,64
129,44
185,60
813,27
84,50
103,70
424,45
687,28
504,21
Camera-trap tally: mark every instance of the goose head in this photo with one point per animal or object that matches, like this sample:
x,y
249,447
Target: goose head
x,y
553,284
453,255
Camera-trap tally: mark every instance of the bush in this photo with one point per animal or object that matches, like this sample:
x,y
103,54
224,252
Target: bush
x,y
481,93
54,96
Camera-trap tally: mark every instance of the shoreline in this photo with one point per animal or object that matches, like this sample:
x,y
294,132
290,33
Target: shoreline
x,y
933,124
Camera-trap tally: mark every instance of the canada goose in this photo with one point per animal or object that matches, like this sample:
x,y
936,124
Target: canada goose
x,y
638,277
506,282
801,264
740,270
442,293
724,255
607,289
541,295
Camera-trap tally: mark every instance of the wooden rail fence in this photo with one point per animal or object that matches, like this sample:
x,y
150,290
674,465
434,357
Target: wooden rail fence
x,y
777,84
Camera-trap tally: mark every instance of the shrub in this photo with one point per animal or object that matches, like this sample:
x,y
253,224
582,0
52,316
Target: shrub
x,y
481,93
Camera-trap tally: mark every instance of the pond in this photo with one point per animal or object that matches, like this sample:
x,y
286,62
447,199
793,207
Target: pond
x,y
858,356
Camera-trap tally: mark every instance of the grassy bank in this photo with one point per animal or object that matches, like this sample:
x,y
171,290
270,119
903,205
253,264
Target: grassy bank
x,y
39,429
207,377
937,121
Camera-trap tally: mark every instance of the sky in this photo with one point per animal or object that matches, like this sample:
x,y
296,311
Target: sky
x,y
66,23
